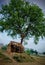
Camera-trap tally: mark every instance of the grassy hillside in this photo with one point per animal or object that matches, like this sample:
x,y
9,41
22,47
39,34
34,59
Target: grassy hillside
x,y
20,59
4,58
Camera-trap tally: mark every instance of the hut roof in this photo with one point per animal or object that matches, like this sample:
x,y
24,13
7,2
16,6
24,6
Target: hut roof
x,y
15,43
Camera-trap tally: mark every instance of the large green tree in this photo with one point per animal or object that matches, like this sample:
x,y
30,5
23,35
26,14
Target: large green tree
x,y
22,18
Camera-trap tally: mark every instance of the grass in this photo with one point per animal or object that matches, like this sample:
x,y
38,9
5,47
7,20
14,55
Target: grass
x,y
1,55
23,57
4,58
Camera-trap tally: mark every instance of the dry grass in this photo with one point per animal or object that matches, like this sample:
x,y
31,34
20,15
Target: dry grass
x,y
22,57
4,58
7,59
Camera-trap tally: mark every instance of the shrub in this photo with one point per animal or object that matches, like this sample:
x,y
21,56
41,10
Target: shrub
x,y
27,51
22,57
18,58
4,48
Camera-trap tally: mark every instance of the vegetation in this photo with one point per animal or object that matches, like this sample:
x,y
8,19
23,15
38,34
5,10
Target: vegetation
x,y
1,55
23,57
21,18
4,58
44,53
4,48
27,51
31,51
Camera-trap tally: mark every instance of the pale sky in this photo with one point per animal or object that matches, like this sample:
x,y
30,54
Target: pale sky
x,y
41,44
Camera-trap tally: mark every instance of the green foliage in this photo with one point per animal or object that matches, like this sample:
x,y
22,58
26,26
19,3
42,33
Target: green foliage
x,y
22,57
18,58
19,17
31,51
44,53
4,48
36,52
27,51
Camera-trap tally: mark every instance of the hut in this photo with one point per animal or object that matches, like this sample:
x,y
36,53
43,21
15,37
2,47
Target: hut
x,y
15,47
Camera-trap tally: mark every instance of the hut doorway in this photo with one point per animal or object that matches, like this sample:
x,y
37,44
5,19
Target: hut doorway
x,y
14,48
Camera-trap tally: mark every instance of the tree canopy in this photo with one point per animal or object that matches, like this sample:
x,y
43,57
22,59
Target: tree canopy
x,y
22,18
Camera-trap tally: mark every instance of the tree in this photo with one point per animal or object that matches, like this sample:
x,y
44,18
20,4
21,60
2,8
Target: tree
x,y
44,53
21,18
31,51
36,52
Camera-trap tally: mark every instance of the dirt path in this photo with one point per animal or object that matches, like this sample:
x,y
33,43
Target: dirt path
x,y
29,63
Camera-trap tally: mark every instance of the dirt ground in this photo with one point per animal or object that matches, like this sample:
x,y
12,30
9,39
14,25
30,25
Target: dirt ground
x,y
29,63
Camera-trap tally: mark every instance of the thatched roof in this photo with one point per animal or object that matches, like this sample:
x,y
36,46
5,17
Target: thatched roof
x,y
15,46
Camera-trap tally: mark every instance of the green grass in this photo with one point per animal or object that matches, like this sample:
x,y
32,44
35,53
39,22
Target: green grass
x,y
23,58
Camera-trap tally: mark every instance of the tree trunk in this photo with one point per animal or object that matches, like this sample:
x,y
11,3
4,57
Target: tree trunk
x,y
22,37
21,40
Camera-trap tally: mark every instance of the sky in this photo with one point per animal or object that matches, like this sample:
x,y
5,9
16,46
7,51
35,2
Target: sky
x,y
40,47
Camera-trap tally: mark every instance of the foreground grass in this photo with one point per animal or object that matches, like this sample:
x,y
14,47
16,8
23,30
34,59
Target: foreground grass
x,y
4,58
21,59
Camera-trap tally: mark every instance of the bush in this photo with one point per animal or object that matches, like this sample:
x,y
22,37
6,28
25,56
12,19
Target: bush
x,y
4,48
22,57
18,58
27,51
44,53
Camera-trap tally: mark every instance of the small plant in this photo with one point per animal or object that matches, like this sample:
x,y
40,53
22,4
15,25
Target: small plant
x,y
22,58
4,48
18,58
27,51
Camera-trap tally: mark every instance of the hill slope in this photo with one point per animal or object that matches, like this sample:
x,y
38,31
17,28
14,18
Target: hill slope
x,y
20,59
